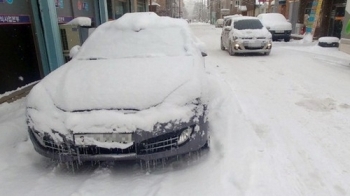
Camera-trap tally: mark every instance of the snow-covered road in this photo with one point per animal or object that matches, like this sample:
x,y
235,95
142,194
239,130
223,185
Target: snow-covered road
x,y
281,126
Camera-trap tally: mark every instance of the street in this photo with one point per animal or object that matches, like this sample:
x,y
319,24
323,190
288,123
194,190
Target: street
x,y
280,125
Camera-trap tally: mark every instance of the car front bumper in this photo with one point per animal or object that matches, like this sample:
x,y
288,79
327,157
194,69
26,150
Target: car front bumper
x,y
146,146
280,35
240,46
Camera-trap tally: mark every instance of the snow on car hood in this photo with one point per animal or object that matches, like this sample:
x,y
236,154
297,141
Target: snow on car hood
x,y
278,25
117,83
252,33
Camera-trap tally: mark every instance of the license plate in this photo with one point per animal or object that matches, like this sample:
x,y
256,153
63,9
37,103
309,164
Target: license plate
x,y
86,139
254,44
279,31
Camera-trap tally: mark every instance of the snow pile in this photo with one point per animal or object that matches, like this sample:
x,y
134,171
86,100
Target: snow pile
x,y
80,21
308,38
74,51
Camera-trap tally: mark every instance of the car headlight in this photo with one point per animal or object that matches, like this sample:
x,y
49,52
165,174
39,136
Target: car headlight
x,y
185,135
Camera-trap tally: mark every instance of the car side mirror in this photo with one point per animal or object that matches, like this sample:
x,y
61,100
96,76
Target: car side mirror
x,y
202,48
74,51
228,28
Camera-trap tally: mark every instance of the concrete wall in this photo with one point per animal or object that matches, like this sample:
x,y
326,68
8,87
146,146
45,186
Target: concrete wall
x,y
345,35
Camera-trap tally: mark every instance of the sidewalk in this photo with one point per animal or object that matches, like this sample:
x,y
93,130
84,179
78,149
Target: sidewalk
x,y
297,36
16,94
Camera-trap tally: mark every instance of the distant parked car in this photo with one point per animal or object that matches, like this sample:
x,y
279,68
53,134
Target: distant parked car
x,y
134,90
245,34
278,26
328,41
219,23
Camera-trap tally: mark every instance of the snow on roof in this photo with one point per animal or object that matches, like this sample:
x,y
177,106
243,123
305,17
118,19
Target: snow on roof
x,y
272,17
242,8
232,16
245,18
81,21
154,3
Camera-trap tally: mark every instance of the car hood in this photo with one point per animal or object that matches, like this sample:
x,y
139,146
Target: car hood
x,y
278,25
252,33
131,83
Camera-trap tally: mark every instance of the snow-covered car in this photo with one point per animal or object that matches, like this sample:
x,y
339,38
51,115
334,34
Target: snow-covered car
x,y
277,24
245,34
134,90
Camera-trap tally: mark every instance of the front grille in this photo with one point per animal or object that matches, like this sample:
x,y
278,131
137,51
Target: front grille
x,y
161,143
168,141
158,146
253,48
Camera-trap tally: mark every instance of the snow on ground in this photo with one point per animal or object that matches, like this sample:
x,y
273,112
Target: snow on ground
x,y
279,124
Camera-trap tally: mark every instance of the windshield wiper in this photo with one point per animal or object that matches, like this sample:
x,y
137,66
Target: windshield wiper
x,y
93,58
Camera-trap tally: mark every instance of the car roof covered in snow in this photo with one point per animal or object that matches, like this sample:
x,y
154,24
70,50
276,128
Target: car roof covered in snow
x,y
272,17
139,34
244,18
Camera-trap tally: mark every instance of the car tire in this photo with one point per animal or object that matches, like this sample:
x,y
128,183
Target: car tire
x,y
230,51
222,45
287,39
267,53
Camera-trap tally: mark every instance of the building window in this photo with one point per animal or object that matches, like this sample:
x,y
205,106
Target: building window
x,y
237,2
117,8
141,5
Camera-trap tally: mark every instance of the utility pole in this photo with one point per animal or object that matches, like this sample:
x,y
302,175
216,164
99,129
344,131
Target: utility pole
x,y
276,6
180,8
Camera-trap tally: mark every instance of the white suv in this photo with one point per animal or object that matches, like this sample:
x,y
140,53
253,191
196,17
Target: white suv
x,y
245,34
277,24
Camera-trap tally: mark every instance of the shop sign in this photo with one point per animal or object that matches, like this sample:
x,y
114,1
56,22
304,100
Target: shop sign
x,y
86,6
59,4
14,19
64,19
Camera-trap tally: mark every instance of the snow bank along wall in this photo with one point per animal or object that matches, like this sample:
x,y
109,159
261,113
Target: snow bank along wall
x,y
345,36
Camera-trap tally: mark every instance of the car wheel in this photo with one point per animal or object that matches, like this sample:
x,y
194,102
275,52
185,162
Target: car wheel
x,y
267,53
287,39
222,45
230,50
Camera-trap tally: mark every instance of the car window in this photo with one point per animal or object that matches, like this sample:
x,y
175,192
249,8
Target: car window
x,y
228,22
247,24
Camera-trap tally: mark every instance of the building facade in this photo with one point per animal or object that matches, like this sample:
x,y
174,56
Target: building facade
x,y
221,8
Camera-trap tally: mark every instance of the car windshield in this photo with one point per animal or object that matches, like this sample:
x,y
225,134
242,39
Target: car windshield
x,y
247,24
120,43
